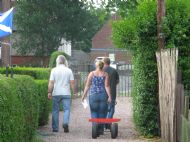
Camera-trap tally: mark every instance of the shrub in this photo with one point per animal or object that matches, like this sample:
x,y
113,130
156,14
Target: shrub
x,y
19,109
52,62
44,103
177,32
12,112
36,73
29,99
138,32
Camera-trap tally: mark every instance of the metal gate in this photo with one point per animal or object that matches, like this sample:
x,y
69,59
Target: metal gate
x,y
124,87
125,78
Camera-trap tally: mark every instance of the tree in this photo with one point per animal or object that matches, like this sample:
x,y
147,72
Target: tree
x,y
122,7
94,18
42,24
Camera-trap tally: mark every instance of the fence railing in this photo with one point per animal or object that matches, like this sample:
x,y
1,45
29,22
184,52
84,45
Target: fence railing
x,y
125,74
124,88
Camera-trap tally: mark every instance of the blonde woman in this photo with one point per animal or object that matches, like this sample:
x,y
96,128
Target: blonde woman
x,y
99,94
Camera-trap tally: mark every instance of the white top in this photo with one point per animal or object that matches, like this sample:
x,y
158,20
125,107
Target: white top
x,y
61,75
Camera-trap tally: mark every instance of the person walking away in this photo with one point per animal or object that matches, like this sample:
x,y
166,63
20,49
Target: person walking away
x,y
61,78
99,94
113,81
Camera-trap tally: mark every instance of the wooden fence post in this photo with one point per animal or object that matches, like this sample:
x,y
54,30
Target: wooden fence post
x,y
186,108
180,97
167,72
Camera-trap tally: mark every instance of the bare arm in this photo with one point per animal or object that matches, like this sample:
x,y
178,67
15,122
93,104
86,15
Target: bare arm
x,y
107,87
87,86
50,88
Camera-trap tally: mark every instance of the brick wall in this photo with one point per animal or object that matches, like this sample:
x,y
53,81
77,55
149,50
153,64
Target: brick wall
x,y
30,61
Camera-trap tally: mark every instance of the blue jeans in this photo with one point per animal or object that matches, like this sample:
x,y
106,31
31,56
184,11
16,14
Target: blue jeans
x,y
111,109
66,101
98,105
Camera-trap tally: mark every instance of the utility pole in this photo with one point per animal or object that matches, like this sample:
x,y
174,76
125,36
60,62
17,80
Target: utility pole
x,y
5,50
160,15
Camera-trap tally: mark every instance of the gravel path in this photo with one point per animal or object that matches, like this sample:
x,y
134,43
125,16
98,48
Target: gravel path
x,y
80,128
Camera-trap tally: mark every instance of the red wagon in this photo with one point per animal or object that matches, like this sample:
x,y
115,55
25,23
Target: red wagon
x,y
113,126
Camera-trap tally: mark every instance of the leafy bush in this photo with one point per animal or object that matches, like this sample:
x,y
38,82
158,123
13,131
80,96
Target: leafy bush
x,y
30,101
19,109
44,103
37,73
52,62
12,112
177,32
138,32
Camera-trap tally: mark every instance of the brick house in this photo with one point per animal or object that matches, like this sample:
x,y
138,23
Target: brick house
x,y
102,45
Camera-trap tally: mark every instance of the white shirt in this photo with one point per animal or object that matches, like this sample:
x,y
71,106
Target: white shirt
x,y
61,75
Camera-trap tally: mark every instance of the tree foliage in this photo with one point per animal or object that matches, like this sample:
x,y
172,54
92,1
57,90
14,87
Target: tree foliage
x,y
41,24
123,7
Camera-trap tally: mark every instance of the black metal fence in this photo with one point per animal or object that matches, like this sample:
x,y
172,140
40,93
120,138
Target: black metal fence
x,y
124,87
125,74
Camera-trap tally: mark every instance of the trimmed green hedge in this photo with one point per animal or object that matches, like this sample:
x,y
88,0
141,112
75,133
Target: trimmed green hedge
x,y
44,103
138,33
11,112
19,109
52,61
36,73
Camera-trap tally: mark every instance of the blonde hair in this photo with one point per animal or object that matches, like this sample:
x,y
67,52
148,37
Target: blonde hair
x,y
100,64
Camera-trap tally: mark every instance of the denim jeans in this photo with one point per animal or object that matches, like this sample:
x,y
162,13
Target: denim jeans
x,y
66,101
111,109
98,105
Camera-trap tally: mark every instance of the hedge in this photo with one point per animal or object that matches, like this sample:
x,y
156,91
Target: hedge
x,y
44,103
11,114
177,32
19,109
36,73
138,33
52,62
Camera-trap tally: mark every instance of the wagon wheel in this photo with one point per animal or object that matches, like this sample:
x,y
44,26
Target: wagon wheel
x,y
114,130
94,131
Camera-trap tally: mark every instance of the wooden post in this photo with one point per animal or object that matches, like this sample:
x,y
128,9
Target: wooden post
x,y
180,99
160,15
167,71
5,51
186,109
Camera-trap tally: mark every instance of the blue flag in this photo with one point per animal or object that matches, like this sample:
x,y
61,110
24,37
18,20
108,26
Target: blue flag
x,y
6,23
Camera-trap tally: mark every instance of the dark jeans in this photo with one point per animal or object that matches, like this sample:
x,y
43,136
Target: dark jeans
x,y
111,109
